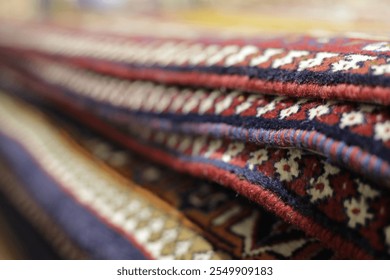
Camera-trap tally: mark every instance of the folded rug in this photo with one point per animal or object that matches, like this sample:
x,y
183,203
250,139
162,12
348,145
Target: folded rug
x,y
299,66
232,111
86,209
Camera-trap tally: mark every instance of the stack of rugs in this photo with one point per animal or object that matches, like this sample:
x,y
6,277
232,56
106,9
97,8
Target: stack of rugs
x,y
192,146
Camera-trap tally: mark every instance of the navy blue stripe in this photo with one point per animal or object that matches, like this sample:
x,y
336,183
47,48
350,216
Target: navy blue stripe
x,y
120,115
85,229
269,74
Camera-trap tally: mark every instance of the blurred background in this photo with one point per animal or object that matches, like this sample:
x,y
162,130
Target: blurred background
x,y
239,17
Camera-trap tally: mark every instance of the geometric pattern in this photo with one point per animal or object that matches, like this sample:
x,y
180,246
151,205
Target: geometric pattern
x,y
299,66
240,227
297,125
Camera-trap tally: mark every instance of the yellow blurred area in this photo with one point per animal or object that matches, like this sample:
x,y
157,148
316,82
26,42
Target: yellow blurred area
x,y
323,17
251,23
19,9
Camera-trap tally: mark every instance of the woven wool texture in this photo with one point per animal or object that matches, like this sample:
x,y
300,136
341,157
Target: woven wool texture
x,y
298,125
299,66
125,214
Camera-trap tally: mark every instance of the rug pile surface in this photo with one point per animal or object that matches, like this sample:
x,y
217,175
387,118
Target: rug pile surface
x,y
197,145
